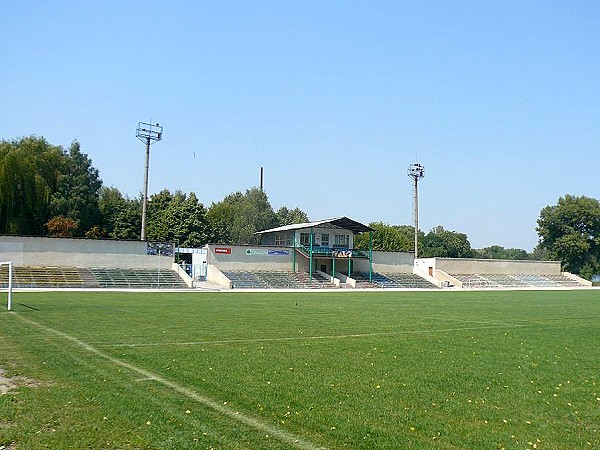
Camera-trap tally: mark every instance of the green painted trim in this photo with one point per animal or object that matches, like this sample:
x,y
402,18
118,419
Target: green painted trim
x,y
310,264
370,256
294,254
333,266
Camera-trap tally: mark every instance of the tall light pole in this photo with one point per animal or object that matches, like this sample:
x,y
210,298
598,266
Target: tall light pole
x,y
148,134
416,171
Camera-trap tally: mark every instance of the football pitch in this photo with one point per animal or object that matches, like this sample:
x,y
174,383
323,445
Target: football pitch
x,y
316,370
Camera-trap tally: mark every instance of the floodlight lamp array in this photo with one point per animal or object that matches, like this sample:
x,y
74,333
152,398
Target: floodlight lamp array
x,y
147,132
416,171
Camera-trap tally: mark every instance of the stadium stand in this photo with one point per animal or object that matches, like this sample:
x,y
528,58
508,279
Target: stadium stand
x,y
73,277
410,280
48,277
393,281
244,280
494,281
362,280
473,281
137,278
276,280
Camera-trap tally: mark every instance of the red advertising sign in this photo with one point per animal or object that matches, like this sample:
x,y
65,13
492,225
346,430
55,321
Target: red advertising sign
x,y
222,251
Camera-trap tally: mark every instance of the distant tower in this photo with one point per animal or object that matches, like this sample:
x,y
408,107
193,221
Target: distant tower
x,y
416,171
261,178
148,134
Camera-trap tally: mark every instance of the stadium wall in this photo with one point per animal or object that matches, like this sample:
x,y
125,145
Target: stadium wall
x,y
483,266
83,253
242,257
387,262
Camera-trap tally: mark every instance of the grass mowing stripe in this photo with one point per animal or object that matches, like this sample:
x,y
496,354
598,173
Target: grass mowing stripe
x,y
253,422
310,338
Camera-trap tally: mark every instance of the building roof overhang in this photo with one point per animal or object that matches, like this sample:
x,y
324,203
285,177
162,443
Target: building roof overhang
x,y
340,222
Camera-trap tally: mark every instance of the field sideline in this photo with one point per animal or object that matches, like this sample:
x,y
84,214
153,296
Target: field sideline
x,y
318,370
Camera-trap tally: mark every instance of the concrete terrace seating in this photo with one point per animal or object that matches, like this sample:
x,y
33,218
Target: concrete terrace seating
x,y
474,281
137,278
564,281
410,281
276,280
73,277
397,281
505,281
362,280
48,277
294,280
245,280
484,281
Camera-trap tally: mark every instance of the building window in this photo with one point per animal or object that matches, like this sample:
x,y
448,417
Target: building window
x,y
325,240
283,239
305,238
342,240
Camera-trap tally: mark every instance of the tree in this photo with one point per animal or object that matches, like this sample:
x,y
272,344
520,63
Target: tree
x,y
78,190
388,238
178,218
570,232
29,170
121,216
442,243
221,216
239,216
499,252
60,226
287,216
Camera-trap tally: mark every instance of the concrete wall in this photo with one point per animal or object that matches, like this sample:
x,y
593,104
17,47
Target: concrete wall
x,y
491,266
215,276
242,257
84,253
392,262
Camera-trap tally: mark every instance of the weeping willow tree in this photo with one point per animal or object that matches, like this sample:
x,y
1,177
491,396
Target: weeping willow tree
x,y
42,185
29,170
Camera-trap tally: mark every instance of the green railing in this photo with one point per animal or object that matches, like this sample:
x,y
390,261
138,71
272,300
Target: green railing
x,y
333,252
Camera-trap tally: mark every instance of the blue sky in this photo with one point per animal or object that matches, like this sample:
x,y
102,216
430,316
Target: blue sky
x,y
335,99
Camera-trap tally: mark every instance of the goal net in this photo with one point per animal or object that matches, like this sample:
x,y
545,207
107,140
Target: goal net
x,y
6,280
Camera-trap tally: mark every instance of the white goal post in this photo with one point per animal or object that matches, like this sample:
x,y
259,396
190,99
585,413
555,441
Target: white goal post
x,y
10,279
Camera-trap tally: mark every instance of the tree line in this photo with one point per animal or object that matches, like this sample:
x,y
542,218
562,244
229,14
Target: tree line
x,y
46,190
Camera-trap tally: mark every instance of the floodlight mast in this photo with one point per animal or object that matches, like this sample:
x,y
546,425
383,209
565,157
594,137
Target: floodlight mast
x,y
148,134
416,171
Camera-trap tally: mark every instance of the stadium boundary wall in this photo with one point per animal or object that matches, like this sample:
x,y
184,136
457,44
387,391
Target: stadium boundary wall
x,y
243,257
430,266
387,262
82,253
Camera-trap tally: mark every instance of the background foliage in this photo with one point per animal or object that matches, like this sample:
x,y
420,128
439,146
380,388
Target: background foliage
x,y
46,190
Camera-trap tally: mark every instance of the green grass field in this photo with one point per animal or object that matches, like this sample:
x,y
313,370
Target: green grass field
x,y
371,370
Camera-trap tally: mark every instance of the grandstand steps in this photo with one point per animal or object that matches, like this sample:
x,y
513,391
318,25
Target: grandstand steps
x,y
276,280
138,278
391,281
496,281
73,277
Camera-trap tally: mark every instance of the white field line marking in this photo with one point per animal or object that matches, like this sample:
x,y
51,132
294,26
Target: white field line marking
x,y
253,422
308,338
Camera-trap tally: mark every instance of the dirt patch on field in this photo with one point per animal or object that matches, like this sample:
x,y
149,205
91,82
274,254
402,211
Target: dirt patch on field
x,y
9,384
